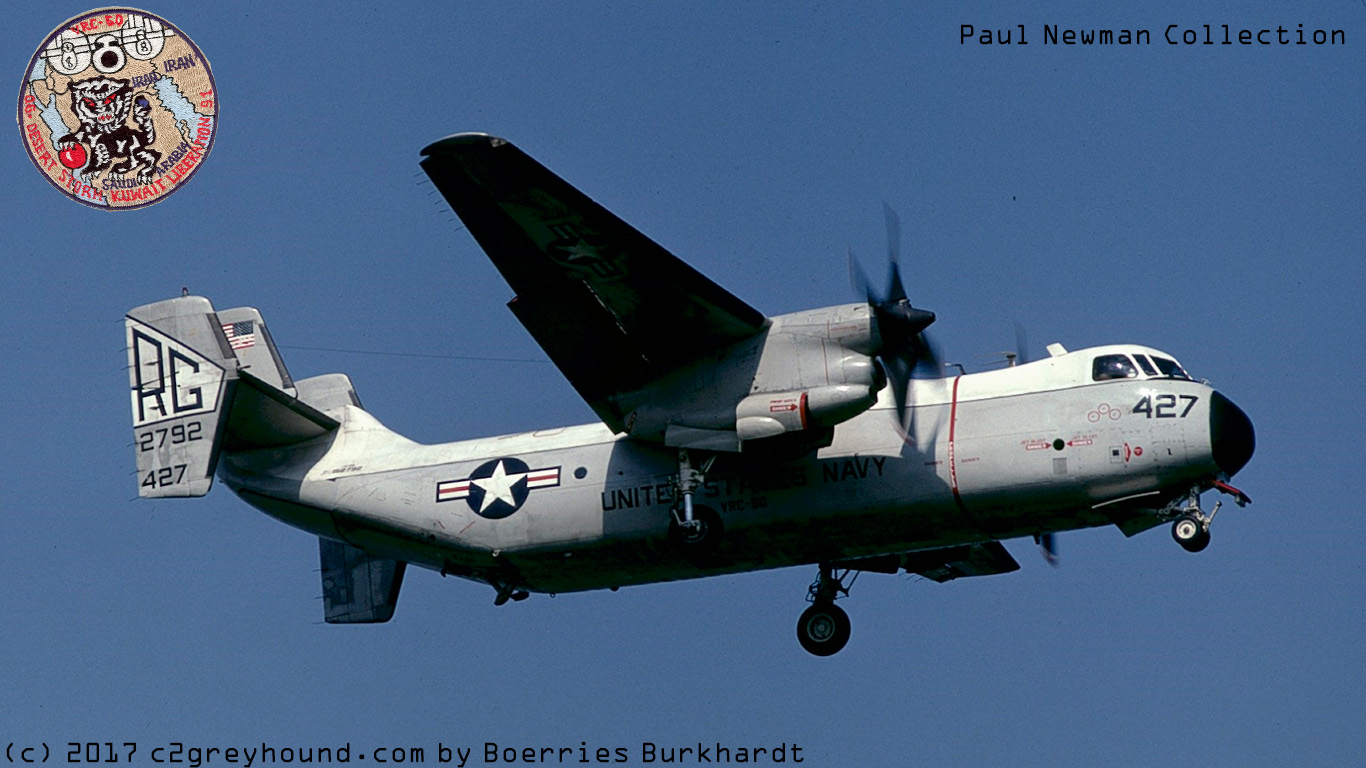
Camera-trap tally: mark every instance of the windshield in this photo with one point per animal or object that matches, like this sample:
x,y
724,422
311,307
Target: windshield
x,y
1170,368
1107,367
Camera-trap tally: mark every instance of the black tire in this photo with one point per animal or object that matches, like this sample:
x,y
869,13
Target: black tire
x,y
700,542
1190,533
823,629
1199,544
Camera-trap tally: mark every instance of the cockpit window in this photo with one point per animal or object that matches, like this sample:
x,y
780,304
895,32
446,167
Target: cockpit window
x,y
1146,365
1170,368
1107,367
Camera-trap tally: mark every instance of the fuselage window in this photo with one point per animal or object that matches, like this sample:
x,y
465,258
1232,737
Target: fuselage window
x,y
1171,368
1146,365
1107,367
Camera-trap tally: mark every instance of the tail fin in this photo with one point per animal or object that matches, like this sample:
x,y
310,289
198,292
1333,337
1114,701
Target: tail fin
x,y
358,588
266,411
204,382
250,340
182,373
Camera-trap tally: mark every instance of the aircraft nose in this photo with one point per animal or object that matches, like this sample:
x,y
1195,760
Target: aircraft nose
x,y
1231,435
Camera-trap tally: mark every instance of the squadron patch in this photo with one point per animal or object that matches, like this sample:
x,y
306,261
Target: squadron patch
x,y
118,108
499,487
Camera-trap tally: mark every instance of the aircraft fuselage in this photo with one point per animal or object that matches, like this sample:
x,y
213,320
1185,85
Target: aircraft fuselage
x,y
1036,448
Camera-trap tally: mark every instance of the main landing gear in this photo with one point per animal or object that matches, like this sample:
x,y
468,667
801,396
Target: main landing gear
x,y
694,529
823,629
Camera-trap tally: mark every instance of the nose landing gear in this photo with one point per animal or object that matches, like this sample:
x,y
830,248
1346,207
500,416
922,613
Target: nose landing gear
x,y
1191,532
1190,524
1191,527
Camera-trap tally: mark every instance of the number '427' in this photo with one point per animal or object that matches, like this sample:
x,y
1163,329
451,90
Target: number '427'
x,y
1166,406
164,477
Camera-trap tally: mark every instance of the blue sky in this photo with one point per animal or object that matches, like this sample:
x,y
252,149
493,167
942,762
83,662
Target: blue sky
x,y
1205,200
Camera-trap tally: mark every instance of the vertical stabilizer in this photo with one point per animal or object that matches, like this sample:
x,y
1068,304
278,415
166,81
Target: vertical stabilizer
x,y
181,375
255,350
358,588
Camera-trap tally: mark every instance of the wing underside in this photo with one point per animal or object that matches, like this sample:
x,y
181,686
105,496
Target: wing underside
x,y
941,565
614,310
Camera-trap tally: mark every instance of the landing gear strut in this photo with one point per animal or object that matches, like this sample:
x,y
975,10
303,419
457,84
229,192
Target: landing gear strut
x,y
1191,528
823,629
694,529
508,592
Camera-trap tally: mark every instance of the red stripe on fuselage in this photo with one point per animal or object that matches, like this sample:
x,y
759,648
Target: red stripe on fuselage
x,y
953,462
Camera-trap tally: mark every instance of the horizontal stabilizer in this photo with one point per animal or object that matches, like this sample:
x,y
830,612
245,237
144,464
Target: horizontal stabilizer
x,y
358,588
263,416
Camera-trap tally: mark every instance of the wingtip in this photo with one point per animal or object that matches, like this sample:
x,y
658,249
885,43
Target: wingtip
x,y
458,141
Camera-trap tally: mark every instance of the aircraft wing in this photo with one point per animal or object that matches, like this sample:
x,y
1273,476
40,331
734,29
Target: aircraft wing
x,y
613,309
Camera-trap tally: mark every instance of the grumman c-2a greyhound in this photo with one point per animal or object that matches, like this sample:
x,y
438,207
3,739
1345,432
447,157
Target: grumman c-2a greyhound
x,y
729,441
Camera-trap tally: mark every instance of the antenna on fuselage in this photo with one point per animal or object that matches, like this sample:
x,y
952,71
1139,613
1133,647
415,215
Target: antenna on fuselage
x,y
1019,355
1021,346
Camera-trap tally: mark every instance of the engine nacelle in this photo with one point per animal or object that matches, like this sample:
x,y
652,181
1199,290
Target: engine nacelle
x,y
771,414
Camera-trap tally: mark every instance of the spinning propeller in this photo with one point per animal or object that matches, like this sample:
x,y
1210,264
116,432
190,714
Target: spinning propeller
x,y
903,347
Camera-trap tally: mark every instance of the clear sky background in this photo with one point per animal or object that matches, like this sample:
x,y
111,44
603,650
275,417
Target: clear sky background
x,y
1205,200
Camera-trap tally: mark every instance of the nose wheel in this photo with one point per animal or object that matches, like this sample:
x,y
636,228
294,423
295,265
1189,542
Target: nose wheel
x,y
1191,533
1191,527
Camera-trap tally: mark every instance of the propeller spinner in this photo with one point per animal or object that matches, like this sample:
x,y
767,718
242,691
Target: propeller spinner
x,y
903,347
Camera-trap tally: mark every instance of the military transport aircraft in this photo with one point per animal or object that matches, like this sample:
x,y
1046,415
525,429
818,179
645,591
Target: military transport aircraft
x,y
729,441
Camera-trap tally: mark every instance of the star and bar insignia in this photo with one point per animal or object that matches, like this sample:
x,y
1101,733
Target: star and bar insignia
x,y
499,487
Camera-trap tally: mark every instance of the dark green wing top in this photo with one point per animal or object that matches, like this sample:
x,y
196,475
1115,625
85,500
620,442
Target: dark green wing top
x,y
613,309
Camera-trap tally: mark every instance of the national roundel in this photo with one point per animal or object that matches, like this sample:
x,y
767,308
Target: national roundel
x,y
498,488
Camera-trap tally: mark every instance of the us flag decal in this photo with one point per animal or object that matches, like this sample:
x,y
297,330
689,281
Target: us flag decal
x,y
241,335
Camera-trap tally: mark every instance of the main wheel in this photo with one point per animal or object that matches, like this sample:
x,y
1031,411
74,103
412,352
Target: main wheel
x,y
701,540
1190,533
823,629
